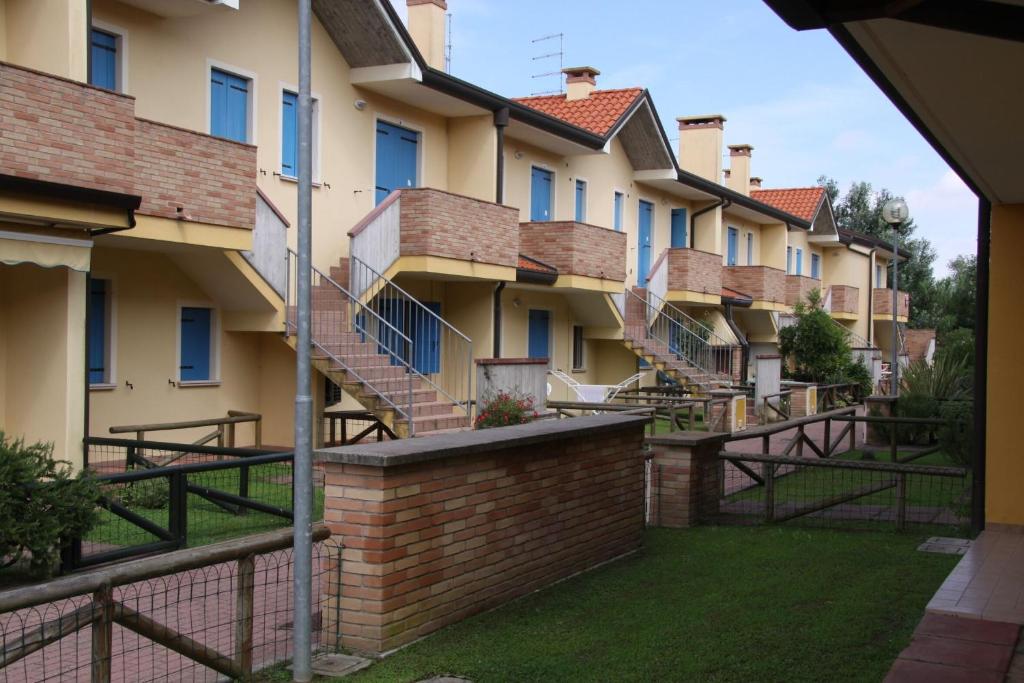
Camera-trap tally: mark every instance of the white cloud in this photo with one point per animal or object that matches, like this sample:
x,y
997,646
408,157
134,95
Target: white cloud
x,y
946,214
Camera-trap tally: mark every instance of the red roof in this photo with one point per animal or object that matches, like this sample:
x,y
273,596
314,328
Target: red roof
x,y
597,113
527,263
801,202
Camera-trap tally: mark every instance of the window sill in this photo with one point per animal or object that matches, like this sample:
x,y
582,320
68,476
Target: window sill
x,y
294,179
578,371
200,383
103,386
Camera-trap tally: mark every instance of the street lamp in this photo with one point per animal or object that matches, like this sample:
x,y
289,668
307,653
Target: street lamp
x,y
895,213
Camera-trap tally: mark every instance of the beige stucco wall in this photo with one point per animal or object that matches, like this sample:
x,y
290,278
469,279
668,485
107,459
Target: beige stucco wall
x,y
844,266
167,70
473,156
48,35
44,357
797,239
743,227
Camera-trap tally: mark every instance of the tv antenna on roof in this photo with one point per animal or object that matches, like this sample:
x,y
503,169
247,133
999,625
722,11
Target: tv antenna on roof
x,y
448,45
551,56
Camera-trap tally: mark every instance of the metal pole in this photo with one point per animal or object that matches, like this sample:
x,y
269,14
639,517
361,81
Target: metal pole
x,y
895,376
303,464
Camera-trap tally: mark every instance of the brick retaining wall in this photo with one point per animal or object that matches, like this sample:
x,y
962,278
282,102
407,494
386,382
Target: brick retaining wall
x,y
759,282
438,223
576,248
440,528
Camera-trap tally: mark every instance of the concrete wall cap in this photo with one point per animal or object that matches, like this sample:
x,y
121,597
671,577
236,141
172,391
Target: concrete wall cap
x,y
687,438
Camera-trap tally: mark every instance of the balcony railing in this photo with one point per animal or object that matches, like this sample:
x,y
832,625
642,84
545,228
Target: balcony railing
x,y
576,248
843,299
62,131
429,222
686,270
881,303
761,283
798,287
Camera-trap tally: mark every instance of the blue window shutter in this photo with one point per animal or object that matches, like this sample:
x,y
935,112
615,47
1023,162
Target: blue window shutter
x,y
750,248
617,218
799,261
679,228
289,134
645,226
539,334
815,266
97,315
733,247
426,336
789,259
103,53
540,194
396,159
229,106
196,338
581,201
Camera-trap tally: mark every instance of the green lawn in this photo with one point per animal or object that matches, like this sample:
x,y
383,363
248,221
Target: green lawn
x,y
707,604
207,522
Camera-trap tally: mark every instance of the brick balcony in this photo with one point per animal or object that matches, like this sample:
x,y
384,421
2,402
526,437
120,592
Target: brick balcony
x,y
845,299
881,303
576,248
62,131
798,287
689,270
761,283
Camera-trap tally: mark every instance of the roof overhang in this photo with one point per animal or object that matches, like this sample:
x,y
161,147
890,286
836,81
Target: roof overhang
x,y
951,67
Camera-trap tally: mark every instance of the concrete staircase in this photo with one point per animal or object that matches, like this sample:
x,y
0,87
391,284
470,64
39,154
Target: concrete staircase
x,y
637,337
367,372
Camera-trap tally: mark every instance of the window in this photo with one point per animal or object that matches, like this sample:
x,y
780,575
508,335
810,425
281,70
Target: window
x,y
789,260
290,134
878,276
397,159
539,334
732,247
577,347
100,329
229,105
104,59
581,201
197,345
799,261
540,194
750,248
815,266
617,211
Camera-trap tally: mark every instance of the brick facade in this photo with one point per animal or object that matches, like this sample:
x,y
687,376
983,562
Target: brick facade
x,y
759,282
576,248
438,529
438,223
845,299
881,302
62,131
798,287
692,270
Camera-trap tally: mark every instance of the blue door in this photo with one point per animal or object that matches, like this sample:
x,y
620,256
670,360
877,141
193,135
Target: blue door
x,y
815,266
679,228
397,149
103,54
732,247
643,242
97,315
540,194
393,312
195,344
425,333
799,261
617,209
539,334
229,105
289,134
581,201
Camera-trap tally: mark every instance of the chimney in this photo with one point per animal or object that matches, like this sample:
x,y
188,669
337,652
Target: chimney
x,y
739,168
755,183
700,145
427,28
580,81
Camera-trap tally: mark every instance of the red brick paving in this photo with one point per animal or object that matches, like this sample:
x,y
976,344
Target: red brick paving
x,y
946,648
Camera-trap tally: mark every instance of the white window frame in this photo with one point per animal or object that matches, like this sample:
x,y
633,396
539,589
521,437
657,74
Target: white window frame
x,y
110,381
121,68
622,216
586,198
750,247
251,108
215,337
282,88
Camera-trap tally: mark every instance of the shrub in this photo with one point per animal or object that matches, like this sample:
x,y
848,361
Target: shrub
x,y
956,434
504,409
816,349
948,378
41,503
150,494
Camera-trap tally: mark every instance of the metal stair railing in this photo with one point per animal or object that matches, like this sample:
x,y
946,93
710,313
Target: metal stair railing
x,y
856,341
359,318
443,356
687,338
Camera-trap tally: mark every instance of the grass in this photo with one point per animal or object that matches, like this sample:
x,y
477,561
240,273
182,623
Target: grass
x,y
707,604
207,522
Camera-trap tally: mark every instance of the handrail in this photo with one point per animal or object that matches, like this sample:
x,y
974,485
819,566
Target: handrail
x,y
370,285
221,434
858,341
360,311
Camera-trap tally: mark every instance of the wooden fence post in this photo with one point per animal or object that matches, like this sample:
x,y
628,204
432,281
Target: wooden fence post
x,y
901,501
244,614
828,437
102,630
768,473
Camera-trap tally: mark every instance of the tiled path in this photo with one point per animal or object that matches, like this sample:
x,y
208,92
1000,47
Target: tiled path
x,y
947,649
988,583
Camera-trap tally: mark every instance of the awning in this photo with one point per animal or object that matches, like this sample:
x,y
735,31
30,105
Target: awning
x,y
48,251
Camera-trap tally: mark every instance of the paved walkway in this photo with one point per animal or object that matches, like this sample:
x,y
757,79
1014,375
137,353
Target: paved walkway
x,y
988,582
947,649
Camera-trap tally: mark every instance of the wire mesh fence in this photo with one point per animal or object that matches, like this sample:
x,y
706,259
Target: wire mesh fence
x,y
202,623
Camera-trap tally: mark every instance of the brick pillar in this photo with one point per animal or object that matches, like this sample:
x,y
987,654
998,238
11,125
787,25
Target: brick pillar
x,y
877,434
686,478
737,364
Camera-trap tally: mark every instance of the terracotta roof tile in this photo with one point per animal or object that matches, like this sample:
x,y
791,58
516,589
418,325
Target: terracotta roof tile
x,y
801,202
527,263
597,113
734,294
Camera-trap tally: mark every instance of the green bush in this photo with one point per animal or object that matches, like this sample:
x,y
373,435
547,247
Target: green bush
x,y
948,378
505,408
41,503
958,344
150,494
956,434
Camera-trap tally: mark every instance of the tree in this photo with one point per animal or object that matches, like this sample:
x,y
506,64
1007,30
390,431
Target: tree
x,y
955,301
860,210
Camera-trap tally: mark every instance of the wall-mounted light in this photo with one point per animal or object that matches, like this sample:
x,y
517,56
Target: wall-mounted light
x,y
517,302
518,155
360,104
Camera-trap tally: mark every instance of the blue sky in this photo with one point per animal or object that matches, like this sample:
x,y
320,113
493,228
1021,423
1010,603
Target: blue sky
x,y
798,98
